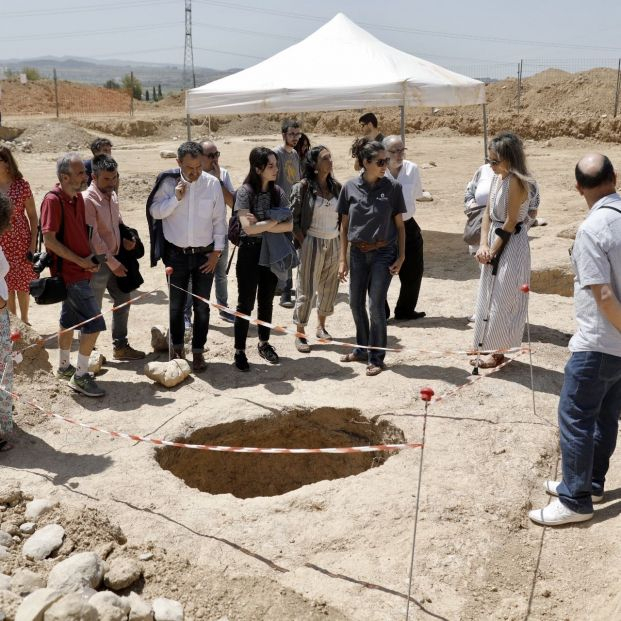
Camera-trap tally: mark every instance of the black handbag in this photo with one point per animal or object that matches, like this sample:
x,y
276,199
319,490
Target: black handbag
x,y
52,289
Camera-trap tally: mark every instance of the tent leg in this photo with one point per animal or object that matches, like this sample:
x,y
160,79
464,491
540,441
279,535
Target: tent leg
x,y
484,131
189,126
402,124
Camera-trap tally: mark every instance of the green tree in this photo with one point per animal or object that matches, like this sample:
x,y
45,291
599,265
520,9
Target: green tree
x,y
154,95
146,94
159,91
31,73
134,90
112,84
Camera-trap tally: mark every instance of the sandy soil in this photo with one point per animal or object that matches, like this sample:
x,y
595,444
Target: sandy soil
x,y
340,548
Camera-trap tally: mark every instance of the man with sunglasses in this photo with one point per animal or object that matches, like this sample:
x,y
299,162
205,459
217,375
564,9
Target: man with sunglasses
x,y
411,273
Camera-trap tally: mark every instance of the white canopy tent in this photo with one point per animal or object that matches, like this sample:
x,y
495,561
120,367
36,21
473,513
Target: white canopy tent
x,y
340,66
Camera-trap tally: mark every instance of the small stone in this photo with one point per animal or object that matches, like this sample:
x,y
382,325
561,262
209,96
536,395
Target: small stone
x,y
169,373
2,508
122,572
146,556
168,154
546,593
109,606
167,609
25,582
36,508
35,604
9,603
84,569
26,495
10,492
28,528
67,548
4,553
10,528
95,362
44,542
71,607
105,549
139,610
5,539
159,338
5,582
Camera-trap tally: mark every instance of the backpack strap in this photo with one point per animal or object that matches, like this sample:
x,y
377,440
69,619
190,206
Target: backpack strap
x,y
610,207
61,229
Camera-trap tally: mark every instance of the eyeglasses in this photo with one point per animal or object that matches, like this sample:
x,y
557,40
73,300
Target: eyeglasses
x,y
397,151
212,155
294,134
492,162
383,161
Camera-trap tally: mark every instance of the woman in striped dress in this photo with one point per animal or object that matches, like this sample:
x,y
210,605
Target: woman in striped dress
x,y
504,239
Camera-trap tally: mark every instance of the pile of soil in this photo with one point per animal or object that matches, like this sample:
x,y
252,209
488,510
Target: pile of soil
x,y
57,137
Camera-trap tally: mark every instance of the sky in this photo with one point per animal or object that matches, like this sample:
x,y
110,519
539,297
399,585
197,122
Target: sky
x,y
477,38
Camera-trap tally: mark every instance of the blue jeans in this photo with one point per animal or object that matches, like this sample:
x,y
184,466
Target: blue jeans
x,y
588,414
100,281
369,272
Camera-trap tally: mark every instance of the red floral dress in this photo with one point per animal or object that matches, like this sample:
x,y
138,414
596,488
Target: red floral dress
x,y
16,241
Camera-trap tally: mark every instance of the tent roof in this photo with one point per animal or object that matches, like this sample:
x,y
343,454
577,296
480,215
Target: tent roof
x,y
338,67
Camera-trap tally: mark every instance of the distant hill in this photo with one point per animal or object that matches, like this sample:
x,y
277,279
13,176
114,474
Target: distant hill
x,y
170,77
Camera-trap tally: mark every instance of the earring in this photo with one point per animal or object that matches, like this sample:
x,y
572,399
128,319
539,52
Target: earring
x,y
316,171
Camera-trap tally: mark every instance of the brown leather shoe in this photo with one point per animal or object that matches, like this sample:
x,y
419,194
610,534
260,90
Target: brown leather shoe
x,y
127,352
177,354
198,362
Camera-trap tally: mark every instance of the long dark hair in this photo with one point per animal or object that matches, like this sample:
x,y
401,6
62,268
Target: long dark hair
x,y
7,156
365,149
259,158
303,141
310,167
6,211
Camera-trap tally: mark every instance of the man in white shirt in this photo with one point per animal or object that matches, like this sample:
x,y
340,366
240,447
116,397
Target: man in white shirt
x,y
590,401
411,272
191,208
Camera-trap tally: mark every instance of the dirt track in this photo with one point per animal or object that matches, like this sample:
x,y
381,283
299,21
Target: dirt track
x,y
344,544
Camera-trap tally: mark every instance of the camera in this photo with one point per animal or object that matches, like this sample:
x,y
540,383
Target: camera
x,y
41,260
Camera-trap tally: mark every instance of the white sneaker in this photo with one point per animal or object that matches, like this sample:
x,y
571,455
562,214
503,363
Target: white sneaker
x,y
551,488
556,514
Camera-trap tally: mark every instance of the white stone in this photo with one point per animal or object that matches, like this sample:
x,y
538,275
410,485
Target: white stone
x,y
71,607
139,610
95,362
84,569
44,542
4,553
37,507
110,606
5,539
35,604
146,556
426,197
168,154
9,602
10,492
121,573
167,609
24,582
28,528
5,582
169,373
159,338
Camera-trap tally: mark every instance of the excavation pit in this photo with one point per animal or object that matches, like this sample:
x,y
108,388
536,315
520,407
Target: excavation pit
x,y
250,475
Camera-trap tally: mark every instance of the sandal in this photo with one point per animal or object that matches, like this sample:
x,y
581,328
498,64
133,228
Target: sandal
x,y
488,363
373,370
5,446
352,358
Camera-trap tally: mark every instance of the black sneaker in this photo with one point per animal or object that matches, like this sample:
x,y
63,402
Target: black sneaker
x,y
286,301
268,352
241,362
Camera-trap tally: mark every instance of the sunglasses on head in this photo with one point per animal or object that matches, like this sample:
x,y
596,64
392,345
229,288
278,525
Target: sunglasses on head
x,y
212,155
492,162
383,161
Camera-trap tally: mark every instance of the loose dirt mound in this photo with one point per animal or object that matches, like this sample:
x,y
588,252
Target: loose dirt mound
x,y
58,137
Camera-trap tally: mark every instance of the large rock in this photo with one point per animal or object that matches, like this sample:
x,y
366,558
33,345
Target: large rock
x,y
34,605
5,539
167,609
44,542
95,362
24,582
122,572
110,607
37,507
10,493
139,610
9,603
84,569
168,154
71,607
169,373
159,338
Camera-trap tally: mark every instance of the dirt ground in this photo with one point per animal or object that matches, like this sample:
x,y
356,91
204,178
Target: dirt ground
x,y
340,548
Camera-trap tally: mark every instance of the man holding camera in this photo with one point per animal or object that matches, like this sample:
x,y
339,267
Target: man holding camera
x,y
65,235
103,219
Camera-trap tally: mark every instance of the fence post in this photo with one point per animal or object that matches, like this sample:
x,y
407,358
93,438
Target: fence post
x,y
519,89
617,89
131,94
56,92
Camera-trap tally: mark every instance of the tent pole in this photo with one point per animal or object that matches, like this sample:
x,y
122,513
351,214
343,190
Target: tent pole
x,y
189,126
484,131
402,124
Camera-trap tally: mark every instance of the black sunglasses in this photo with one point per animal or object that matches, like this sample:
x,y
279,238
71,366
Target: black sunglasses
x,y
212,155
383,161
492,162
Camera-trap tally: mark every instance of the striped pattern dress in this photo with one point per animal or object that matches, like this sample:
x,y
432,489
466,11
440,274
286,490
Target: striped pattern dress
x,y
507,313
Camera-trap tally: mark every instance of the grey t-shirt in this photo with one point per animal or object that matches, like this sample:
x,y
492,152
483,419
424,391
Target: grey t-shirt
x,y
371,210
288,169
596,259
258,204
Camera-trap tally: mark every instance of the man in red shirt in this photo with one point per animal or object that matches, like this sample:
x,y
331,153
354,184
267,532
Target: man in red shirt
x,y
66,238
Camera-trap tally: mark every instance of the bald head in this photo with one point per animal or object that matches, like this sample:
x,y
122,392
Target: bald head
x,y
209,159
595,177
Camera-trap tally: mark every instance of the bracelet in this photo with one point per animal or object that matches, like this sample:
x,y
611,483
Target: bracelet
x,y
3,307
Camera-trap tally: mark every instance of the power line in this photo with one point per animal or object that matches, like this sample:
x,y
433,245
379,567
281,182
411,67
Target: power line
x,y
84,8
207,49
268,35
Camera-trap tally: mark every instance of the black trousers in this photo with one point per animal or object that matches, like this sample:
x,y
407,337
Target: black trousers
x,y
411,272
254,281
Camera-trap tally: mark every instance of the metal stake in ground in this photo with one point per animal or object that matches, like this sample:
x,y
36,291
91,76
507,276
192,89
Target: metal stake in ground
x,y
425,394
494,262
525,288
169,271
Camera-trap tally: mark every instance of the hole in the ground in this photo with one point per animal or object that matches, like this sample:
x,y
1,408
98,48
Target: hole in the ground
x,y
251,475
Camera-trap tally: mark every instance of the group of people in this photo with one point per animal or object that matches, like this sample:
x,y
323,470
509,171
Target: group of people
x,y
291,212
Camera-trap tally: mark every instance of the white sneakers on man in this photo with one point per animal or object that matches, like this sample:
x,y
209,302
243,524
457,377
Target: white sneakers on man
x,y
557,514
552,486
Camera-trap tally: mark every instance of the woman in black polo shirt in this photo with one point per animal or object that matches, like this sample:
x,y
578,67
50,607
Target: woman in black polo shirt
x,y
370,206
